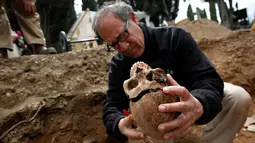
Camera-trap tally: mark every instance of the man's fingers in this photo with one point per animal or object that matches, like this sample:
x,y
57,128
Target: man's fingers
x,y
129,119
133,134
28,9
178,131
125,126
182,92
174,124
34,9
173,107
29,6
172,81
25,7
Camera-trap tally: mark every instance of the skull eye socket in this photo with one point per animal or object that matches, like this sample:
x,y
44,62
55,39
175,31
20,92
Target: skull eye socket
x,y
149,76
139,70
132,84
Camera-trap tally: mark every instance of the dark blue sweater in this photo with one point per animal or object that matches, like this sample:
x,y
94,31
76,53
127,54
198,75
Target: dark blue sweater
x,y
175,51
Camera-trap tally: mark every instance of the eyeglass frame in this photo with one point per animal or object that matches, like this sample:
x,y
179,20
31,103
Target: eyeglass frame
x,y
109,46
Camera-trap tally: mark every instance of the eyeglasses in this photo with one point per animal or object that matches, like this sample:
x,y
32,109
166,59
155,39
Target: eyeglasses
x,y
121,38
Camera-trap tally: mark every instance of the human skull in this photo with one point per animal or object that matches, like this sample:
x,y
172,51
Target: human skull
x,y
144,89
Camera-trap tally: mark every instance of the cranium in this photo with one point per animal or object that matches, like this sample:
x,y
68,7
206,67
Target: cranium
x,y
144,89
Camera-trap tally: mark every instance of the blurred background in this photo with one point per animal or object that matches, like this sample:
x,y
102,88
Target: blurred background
x,y
67,15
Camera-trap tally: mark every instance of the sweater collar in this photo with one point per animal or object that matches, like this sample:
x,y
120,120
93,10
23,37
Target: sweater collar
x,y
148,41
148,44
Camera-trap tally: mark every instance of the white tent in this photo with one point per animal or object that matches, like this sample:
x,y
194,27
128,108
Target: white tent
x,y
82,28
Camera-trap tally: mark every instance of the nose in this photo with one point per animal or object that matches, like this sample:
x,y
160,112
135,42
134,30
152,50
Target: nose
x,y
123,47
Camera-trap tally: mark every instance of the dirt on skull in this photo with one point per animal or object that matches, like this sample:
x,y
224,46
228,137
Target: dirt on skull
x,y
58,98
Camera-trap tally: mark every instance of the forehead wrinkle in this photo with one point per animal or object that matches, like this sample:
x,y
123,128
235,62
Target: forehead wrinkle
x,y
115,37
103,20
117,31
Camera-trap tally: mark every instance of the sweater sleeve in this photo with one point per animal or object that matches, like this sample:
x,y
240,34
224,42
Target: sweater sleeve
x,y
198,75
115,101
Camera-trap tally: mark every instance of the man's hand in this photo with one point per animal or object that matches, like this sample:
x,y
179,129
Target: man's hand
x,y
125,127
29,6
191,109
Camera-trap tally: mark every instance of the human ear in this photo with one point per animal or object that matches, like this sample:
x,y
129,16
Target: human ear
x,y
134,18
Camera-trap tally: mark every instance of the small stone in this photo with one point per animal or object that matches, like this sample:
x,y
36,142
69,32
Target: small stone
x,y
8,94
65,103
251,128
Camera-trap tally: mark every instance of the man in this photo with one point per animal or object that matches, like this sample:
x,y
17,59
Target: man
x,y
29,21
192,75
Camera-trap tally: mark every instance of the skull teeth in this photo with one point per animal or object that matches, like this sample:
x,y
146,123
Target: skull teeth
x,y
136,65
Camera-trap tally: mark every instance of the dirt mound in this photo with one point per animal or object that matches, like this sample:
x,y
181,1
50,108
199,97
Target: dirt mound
x,y
67,89
234,58
204,28
58,98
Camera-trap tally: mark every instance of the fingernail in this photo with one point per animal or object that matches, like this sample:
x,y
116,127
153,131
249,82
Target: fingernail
x,y
161,128
166,137
165,89
162,108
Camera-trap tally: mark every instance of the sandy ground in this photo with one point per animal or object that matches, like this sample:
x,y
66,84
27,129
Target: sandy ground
x,y
58,98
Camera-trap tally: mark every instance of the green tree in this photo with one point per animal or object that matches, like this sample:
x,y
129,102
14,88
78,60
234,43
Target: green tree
x,y
212,10
190,13
56,16
204,15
